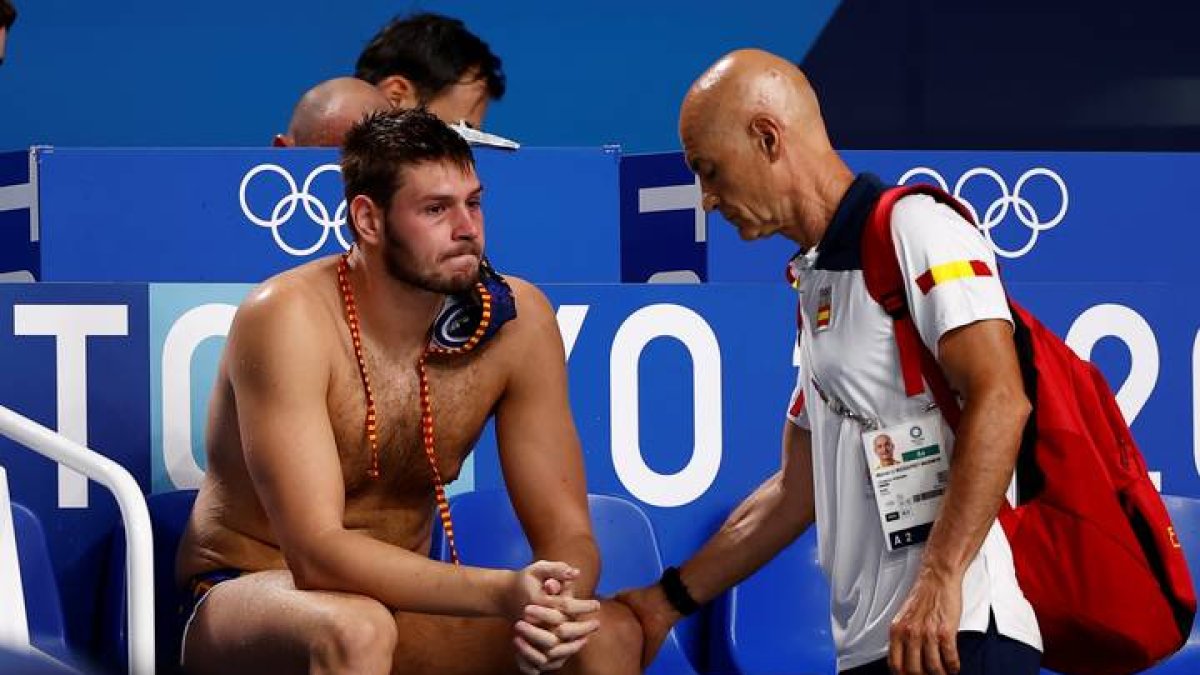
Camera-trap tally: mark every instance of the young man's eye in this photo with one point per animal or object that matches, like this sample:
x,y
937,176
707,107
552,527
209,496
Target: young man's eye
x,y
435,209
474,204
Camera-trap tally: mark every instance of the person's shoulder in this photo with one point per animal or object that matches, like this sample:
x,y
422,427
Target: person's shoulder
x,y
922,222
288,306
531,301
304,288
535,314
916,213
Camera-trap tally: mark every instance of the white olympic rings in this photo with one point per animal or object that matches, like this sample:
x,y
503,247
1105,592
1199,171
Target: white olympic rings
x,y
285,208
997,211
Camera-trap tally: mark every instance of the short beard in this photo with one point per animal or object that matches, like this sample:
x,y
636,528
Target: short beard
x,y
400,263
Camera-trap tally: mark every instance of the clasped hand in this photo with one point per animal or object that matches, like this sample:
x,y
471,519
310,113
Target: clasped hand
x,y
551,624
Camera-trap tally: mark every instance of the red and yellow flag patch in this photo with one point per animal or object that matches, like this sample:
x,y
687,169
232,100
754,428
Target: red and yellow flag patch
x,y
959,269
824,307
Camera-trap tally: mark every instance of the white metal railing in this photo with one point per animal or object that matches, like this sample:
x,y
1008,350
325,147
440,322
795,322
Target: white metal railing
x,y
139,548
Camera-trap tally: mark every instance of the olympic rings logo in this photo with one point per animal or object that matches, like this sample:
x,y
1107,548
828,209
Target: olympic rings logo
x,y
285,208
998,210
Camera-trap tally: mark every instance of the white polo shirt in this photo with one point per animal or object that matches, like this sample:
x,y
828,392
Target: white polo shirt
x,y
847,346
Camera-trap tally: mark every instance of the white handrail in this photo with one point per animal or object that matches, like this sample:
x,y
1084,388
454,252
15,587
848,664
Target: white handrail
x,y
139,549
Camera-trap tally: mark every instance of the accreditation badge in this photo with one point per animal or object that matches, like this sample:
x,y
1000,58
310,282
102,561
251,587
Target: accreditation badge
x,y
909,471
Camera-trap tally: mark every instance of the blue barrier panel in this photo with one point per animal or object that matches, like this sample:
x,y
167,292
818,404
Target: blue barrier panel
x,y
188,325
18,219
75,360
1097,244
241,215
664,232
1051,216
678,391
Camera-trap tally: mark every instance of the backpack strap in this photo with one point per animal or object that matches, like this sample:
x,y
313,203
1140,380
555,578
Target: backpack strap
x,y
885,285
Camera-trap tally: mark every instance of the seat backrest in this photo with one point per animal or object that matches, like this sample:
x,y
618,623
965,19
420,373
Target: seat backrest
x,y
488,534
169,514
1185,518
32,609
14,627
13,660
777,621
43,606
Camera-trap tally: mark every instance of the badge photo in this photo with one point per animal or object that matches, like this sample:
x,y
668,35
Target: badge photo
x,y
909,472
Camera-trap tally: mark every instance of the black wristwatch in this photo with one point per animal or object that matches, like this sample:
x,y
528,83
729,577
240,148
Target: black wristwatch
x,y
677,593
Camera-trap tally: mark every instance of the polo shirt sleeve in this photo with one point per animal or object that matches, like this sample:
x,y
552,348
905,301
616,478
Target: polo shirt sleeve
x,y
797,410
796,413
949,269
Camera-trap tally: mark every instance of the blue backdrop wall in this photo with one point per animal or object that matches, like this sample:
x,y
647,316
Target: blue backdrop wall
x,y
143,72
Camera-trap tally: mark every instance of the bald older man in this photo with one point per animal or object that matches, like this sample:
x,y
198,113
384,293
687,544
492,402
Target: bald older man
x,y
327,111
752,131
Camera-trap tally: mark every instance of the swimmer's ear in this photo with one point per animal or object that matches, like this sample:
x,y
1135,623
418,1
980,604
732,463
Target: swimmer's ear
x,y
366,218
283,141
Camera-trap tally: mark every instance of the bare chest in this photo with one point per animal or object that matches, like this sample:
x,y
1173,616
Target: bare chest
x,y
463,391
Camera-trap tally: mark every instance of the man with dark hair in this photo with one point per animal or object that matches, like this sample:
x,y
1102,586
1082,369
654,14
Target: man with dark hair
x,y
327,111
8,16
351,389
433,61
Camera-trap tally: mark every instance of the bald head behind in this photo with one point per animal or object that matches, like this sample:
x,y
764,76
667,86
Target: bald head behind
x,y
327,111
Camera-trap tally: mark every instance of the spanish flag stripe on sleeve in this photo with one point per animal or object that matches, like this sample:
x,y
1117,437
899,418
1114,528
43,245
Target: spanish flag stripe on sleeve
x,y
797,404
959,269
981,269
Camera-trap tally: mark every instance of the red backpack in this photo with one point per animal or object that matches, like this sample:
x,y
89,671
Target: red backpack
x,y
1094,549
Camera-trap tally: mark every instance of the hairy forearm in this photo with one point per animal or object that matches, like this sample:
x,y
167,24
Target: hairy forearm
x,y
579,550
353,562
985,452
761,526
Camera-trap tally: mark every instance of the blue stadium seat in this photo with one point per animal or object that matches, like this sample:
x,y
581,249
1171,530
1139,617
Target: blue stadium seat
x,y
488,534
777,621
24,663
169,513
43,604
1185,516
43,607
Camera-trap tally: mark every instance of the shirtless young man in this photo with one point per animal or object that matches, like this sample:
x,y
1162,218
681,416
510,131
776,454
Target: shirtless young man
x,y
316,565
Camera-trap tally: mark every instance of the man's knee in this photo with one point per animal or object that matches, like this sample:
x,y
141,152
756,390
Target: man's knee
x,y
617,646
622,627
360,637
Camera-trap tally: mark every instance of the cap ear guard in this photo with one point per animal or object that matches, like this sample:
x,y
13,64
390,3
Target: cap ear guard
x,y
469,319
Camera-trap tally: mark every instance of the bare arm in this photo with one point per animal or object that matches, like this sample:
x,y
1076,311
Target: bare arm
x,y
279,367
757,530
980,362
760,527
539,449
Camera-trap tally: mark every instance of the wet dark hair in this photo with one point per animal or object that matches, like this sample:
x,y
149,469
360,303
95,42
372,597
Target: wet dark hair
x,y
431,51
378,149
